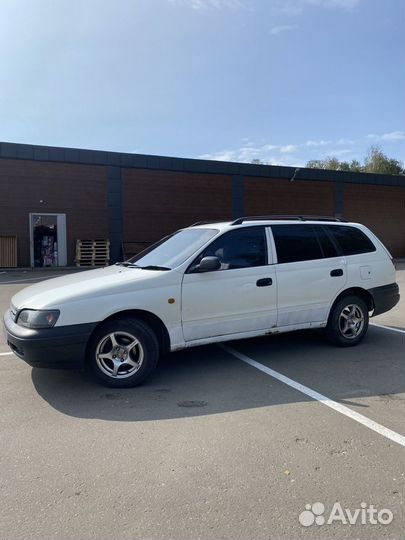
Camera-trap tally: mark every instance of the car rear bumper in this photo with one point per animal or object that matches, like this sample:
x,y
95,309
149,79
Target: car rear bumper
x,y
385,297
58,347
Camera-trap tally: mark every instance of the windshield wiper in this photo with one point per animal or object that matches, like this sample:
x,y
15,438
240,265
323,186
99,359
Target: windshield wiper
x,y
149,267
154,267
126,264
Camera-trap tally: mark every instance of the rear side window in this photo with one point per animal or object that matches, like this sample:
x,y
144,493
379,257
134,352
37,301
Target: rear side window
x,y
351,240
328,247
296,243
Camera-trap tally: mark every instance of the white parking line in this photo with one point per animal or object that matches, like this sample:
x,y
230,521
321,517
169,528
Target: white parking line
x,y
5,353
342,409
24,280
388,328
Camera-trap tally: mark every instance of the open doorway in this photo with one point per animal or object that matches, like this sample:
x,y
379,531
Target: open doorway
x,y
48,240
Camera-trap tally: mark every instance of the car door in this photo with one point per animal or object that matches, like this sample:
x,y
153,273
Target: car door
x,y
310,273
239,297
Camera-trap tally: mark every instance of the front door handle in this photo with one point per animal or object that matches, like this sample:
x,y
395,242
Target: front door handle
x,y
264,282
336,272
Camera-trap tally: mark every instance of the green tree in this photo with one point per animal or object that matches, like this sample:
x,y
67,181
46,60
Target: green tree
x,y
375,162
330,163
356,166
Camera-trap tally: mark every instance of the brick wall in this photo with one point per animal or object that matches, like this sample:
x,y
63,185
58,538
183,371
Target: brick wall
x,y
271,196
156,203
382,209
79,191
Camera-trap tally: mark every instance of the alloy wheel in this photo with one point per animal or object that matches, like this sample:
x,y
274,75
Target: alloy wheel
x,y
119,355
351,321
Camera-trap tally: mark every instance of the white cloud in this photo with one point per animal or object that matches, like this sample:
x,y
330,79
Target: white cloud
x,y
288,148
338,153
224,155
322,142
286,162
247,153
273,154
296,7
339,4
264,152
291,7
299,153
275,30
209,4
392,136
342,140
269,147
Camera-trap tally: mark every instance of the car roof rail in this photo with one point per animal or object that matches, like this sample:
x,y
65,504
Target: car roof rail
x,y
206,222
241,220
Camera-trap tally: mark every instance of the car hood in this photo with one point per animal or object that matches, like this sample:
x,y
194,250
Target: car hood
x,y
52,293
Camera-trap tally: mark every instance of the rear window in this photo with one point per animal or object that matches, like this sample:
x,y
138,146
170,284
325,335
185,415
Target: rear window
x,y
352,241
296,243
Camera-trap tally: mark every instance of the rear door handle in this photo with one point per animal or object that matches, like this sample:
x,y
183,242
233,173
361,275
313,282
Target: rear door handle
x,y
264,282
336,272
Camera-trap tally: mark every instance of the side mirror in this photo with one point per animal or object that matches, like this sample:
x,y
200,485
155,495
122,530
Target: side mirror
x,y
208,264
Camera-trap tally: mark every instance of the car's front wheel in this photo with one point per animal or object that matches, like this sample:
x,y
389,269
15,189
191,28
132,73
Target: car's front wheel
x,y
123,352
348,321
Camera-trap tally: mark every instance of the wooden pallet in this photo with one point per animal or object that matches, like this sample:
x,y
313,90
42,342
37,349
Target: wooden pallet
x,y
92,264
8,251
92,252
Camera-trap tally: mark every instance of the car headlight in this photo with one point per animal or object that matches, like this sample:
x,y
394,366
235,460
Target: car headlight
x,y
33,318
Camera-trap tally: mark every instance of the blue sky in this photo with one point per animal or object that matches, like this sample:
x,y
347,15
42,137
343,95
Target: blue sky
x,y
284,81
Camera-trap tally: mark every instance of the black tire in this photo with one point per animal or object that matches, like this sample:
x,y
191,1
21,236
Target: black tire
x,y
336,322
130,365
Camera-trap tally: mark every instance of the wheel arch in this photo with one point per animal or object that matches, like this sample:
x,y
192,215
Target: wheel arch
x,y
152,320
364,294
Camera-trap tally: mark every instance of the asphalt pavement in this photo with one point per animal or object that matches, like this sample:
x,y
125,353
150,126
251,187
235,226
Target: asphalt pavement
x,y
212,446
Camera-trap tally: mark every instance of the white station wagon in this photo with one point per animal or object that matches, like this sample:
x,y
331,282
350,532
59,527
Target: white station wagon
x,y
208,283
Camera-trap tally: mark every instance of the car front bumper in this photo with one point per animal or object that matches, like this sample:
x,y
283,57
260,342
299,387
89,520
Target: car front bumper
x,y
385,297
58,347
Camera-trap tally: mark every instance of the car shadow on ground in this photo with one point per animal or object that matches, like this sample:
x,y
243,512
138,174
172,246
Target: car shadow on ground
x,y
207,380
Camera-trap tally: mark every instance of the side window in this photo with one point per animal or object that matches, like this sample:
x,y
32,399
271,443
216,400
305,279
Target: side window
x,y
328,247
242,248
296,243
351,240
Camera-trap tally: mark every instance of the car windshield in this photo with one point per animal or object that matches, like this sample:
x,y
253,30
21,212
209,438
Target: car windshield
x,y
173,250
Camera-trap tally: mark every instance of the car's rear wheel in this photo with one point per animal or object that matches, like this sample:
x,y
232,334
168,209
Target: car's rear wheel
x,y
348,321
123,352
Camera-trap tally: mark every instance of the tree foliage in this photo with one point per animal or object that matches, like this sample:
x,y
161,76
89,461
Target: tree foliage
x,y
375,162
